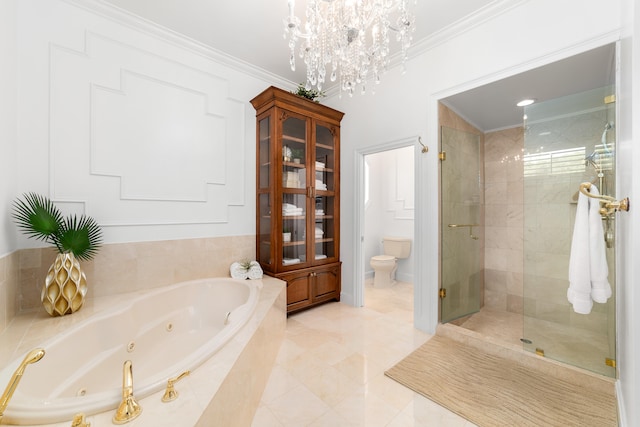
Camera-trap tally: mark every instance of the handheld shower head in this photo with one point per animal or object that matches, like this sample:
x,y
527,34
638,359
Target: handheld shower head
x,y
607,128
34,355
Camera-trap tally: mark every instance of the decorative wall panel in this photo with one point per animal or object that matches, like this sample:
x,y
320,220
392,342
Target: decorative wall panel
x,y
143,139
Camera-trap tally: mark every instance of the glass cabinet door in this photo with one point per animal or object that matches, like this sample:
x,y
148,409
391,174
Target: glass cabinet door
x,y
264,222
324,224
294,191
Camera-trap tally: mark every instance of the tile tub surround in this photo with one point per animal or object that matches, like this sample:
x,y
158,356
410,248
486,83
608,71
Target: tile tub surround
x,y
228,386
8,288
127,267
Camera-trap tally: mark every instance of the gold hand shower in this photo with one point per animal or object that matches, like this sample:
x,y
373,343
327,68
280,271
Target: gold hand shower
x,y
32,357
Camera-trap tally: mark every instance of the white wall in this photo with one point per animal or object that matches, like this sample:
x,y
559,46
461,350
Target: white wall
x,y
527,34
8,123
152,135
391,206
628,232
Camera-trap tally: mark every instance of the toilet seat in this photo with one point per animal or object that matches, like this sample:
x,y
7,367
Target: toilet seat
x,y
383,258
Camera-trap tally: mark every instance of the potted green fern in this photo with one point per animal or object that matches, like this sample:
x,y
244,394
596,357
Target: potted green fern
x,y
75,238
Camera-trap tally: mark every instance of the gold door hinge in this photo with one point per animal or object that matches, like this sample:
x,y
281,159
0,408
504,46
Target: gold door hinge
x,y
610,362
442,293
442,155
540,352
609,99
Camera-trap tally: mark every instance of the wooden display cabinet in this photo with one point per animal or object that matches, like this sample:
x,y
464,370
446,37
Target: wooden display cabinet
x,y
298,195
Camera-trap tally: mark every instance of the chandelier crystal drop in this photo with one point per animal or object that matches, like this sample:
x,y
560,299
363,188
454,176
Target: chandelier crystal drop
x,y
349,39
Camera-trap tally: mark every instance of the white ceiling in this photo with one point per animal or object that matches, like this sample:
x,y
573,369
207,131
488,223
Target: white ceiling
x,y
252,31
492,106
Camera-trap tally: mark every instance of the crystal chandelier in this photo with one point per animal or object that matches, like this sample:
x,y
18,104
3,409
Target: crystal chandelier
x,y
348,38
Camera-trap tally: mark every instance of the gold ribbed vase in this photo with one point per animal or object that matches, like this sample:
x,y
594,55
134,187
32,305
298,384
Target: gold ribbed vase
x,y
65,286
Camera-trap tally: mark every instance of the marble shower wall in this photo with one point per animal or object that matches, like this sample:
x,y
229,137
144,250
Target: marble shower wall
x,y
504,219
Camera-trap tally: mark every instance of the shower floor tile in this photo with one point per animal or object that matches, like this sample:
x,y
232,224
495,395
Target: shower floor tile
x,y
574,346
502,325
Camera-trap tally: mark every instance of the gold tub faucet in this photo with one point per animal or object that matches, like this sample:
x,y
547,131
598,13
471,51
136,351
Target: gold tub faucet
x,y
32,357
171,393
129,408
79,420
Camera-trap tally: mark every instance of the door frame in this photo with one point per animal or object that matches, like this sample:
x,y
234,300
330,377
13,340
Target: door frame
x,y
358,229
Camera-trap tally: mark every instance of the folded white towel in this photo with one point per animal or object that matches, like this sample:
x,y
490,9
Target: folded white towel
x,y
237,271
255,271
588,270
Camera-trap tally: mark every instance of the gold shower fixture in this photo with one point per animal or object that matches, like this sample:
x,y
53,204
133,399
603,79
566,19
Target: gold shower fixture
x,y
609,204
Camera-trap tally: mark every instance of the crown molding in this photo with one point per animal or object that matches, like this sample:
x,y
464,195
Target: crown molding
x,y
467,23
123,17
120,16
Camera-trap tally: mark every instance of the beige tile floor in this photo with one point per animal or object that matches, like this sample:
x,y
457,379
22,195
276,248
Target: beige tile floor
x,y
330,369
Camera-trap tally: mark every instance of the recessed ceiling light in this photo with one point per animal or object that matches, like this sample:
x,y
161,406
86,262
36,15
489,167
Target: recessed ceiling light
x,y
526,102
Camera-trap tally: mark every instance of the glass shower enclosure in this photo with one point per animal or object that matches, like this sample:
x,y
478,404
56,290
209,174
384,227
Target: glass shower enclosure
x,y
563,142
567,141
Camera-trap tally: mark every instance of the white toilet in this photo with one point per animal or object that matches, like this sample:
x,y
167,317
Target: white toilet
x,y
384,266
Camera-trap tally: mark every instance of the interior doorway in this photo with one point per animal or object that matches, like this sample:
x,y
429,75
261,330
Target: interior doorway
x,y
385,207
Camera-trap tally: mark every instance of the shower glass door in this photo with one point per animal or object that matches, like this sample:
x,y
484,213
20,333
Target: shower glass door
x,y
568,141
461,273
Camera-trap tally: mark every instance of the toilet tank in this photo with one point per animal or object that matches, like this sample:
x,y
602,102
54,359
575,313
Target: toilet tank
x,y
398,247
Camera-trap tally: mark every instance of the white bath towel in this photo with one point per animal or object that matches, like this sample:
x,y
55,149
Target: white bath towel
x,y
587,263
600,287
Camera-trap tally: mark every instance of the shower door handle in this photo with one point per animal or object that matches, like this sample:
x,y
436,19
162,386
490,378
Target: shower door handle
x,y
466,225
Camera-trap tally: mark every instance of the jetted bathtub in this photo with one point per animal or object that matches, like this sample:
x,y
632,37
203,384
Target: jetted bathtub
x,y
164,332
